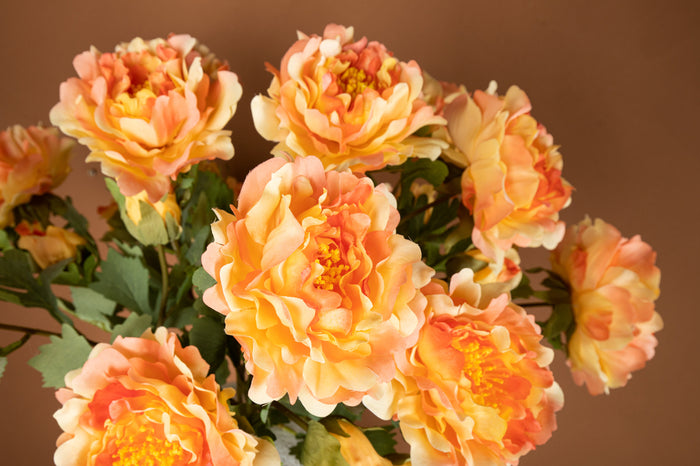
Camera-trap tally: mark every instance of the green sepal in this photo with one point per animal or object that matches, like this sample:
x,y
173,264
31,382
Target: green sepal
x,y
152,229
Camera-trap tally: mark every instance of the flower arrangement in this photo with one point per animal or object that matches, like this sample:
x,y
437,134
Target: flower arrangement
x,y
369,268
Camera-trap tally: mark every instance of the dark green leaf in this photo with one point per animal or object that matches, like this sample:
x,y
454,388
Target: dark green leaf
x,y
62,355
209,337
382,439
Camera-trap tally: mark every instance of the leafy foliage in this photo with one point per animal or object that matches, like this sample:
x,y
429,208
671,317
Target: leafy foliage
x,y
62,355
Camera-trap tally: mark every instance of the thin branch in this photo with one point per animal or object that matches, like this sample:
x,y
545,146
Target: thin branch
x,y
164,284
430,205
291,415
535,304
29,330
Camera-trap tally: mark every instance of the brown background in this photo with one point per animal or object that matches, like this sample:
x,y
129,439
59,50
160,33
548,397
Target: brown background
x,y
615,82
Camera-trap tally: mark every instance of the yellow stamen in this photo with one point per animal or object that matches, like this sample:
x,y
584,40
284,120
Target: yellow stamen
x,y
333,271
354,81
486,376
146,448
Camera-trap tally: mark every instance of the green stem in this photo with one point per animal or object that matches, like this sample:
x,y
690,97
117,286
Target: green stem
x,y
29,330
535,304
164,284
291,415
430,205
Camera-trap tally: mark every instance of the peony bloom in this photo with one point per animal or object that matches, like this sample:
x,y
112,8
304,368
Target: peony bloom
x,y
476,388
497,278
150,110
149,401
613,283
356,449
49,246
165,207
33,161
512,181
352,104
315,284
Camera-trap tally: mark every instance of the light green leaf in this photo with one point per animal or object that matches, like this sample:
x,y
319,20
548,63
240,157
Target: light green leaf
x,y
61,356
124,280
92,307
321,448
133,326
202,281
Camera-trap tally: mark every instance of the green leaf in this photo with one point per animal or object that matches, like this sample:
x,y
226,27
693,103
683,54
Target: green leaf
x,y
559,323
124,280
16,273
209,337
321,448
92,307
523,290
3,364
202,281
432,171
133,326
382,439
5,242
62,355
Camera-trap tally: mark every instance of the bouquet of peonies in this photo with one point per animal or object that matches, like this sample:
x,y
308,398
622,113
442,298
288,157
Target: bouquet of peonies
x,y
371,265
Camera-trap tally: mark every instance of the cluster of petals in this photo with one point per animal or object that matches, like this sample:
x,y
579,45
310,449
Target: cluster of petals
x,y
48,246
149,110
497,278
315,284
476,389
146,401
350,103
33,161
613,283
512,180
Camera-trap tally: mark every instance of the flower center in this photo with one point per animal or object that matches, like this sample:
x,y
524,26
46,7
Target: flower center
x,y
354,81
145,447
486,375
329,258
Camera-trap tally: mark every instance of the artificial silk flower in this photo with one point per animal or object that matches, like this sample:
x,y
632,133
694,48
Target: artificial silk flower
x,y
497,278
147,400
315,284
149,110
49,246
512,180
476,388
33,161
613,283
350,103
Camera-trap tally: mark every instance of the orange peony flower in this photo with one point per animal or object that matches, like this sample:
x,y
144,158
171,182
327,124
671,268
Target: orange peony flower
x,y
497,278
352,104
149,401
150,110
512,181
50,246
315,284
165,207
476,388
33,161
614,284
